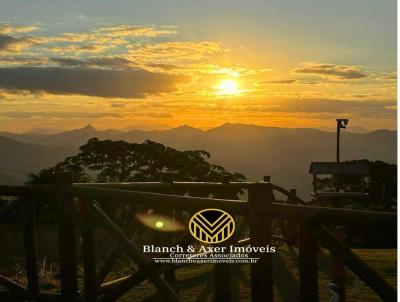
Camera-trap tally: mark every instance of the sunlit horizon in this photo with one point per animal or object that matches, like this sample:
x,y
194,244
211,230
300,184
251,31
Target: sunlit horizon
x,y
78,66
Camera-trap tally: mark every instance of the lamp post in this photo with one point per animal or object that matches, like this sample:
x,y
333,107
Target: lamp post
x,y
341,123
337,268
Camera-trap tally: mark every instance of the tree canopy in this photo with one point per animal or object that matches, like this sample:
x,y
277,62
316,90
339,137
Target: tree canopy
x,y
119,161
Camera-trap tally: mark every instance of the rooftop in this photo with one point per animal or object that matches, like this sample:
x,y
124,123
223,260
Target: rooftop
x,y
354,168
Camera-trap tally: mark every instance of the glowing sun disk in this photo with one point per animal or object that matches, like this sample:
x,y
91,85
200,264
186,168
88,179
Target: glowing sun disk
x,y
227,87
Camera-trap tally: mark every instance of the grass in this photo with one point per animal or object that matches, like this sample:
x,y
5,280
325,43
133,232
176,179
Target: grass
x,y
195,283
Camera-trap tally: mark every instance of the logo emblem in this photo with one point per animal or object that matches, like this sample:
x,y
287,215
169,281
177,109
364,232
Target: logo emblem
x,y
212,226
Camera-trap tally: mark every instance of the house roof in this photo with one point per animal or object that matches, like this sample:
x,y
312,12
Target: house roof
x,y
354,168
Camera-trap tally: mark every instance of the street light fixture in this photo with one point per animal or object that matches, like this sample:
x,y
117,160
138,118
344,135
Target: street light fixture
x,y
341,123
338,267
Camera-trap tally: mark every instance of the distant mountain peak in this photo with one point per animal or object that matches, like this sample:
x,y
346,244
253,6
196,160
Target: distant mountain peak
x,y
185,128
88,128
243,125
237,125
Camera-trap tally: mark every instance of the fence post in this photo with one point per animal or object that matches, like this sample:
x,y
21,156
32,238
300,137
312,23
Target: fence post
x,y
170,275
223,281
260,194
308,265
223,271
66,238
30,244
338,272
88,255
291,226
361,269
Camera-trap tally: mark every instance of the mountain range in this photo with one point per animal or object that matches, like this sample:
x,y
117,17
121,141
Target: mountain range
x,y
255,151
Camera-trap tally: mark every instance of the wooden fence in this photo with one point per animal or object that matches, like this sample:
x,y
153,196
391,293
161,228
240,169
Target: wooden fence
x,y
260,211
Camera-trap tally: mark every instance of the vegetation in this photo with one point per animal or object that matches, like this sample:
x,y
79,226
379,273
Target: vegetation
x,y
382,184
120,161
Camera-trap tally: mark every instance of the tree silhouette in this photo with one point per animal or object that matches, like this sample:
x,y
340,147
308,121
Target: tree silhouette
x,y
382,187
120,161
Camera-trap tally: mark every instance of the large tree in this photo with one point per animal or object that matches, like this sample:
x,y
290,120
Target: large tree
x,y
117,161
120,161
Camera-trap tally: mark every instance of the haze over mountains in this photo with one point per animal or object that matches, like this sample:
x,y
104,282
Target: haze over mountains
x,y
283,153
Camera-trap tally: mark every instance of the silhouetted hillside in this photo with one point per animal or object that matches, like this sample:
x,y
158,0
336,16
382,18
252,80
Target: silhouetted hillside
x,y
17,159
284,153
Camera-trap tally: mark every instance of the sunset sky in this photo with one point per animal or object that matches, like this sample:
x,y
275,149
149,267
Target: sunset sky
x,y
161,64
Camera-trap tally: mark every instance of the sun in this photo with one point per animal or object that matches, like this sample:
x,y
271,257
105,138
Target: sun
x,y
227,87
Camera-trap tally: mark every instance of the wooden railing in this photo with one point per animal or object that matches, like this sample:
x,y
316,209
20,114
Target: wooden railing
x,y
259,211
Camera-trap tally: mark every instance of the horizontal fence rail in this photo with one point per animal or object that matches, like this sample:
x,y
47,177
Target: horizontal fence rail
x,y
162,200
161,185
297,212
309,222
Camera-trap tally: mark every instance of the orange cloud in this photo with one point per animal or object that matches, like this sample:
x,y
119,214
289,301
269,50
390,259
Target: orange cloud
x,y
78,49
8,28
15,44
136,31
175,50
26,61
341,72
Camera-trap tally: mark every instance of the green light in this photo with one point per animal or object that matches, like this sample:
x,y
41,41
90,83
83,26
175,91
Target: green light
x,y
159,224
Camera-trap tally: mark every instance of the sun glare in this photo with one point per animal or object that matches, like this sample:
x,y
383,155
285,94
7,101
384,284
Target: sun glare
x,y
227,87
159,224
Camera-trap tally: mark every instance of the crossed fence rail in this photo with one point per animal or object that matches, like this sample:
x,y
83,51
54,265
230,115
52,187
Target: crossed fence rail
x,y
260,210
